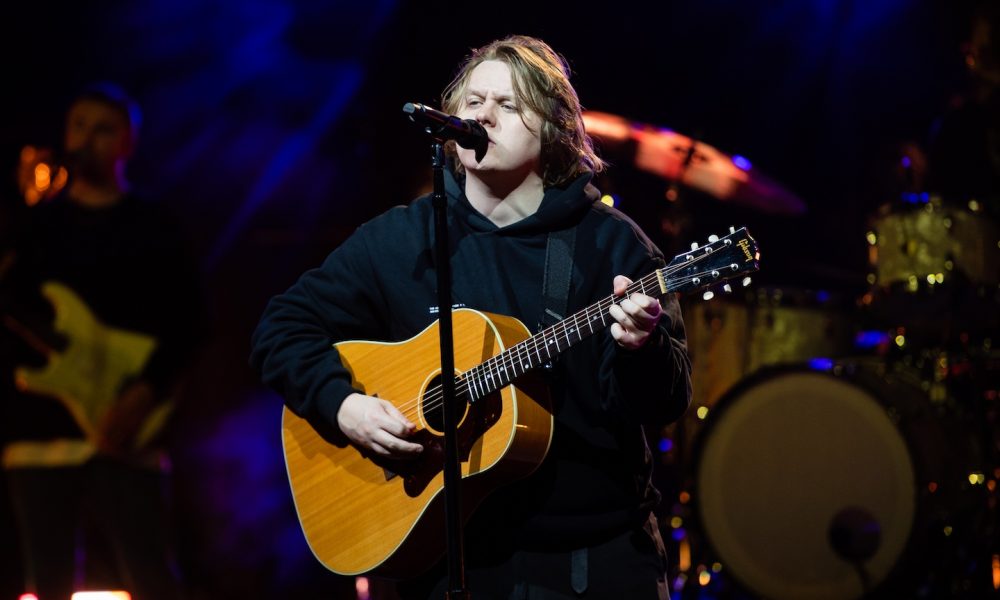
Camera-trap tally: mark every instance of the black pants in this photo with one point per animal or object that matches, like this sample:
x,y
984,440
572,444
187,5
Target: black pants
x,y
630,566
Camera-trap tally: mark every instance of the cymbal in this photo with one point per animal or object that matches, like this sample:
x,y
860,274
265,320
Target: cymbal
x,y
681,159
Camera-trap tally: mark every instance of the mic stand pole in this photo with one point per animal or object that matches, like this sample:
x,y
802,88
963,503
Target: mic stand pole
x,y
451,467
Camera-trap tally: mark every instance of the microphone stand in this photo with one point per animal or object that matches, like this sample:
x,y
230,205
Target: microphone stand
x,y
452,471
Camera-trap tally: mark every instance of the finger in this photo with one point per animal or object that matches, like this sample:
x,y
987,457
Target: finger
x,y
396,446
378,448
639,315
625,338
648,304
392,419
618,333
619,315
620,283
384,421
395,413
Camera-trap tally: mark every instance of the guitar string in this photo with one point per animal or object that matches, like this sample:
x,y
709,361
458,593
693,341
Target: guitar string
x,y
433,399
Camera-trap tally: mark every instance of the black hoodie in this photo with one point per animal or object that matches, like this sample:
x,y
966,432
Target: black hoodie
x,y
380,285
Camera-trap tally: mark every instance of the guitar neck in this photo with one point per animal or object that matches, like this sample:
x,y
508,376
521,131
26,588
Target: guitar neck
x,y
717,261
546,345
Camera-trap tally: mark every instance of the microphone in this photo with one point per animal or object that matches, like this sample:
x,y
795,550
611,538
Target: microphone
x,y
467,133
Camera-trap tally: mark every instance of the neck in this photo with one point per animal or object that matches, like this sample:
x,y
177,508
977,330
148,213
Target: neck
x,y
99,191
504,203
92,194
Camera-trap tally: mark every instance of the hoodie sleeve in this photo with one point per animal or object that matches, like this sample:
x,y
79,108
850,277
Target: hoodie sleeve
x,y
650,385
292,345
655,380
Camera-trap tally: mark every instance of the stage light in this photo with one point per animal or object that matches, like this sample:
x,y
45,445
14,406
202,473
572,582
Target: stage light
x,y
676,522
702,412
870,339
115,595
684,558
996,571
742,162
362,588
820,364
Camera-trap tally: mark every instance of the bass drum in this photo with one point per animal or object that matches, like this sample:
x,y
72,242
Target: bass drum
x,y
808,484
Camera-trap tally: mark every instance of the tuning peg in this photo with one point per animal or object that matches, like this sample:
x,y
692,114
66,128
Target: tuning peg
x,y
694,245
708,295
746,281
713,238
732,230
727,288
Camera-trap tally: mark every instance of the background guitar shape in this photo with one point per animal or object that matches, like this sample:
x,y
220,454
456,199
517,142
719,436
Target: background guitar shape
x,y
361,514
88,372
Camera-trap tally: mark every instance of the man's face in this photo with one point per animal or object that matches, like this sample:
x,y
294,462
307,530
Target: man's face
x,y
515,147
97,138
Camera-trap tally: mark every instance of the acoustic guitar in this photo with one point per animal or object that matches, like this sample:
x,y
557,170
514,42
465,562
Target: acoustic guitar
x,y
363,514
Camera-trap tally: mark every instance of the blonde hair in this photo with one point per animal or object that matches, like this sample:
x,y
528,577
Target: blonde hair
x,y
540,78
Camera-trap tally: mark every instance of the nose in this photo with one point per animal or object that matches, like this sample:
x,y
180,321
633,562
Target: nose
x,y
486,115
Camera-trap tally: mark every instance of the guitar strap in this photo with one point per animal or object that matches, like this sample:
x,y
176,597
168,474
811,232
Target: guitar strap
x,y
558,272
555,291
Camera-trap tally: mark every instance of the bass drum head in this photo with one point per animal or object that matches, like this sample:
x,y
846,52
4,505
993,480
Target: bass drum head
x,y
791,458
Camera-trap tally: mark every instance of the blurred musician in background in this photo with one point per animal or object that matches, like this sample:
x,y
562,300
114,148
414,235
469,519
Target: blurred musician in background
x,y
100,308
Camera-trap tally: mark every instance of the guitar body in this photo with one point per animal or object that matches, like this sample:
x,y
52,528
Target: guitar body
x,y
361,515
88,375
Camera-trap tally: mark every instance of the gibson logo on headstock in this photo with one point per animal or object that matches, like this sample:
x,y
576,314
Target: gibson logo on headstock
x,y
744,244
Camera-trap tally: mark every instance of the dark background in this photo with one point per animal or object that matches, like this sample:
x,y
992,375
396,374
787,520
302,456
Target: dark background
x,y
273,129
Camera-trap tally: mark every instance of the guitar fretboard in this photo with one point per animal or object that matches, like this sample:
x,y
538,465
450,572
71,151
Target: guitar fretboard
x,y
544,346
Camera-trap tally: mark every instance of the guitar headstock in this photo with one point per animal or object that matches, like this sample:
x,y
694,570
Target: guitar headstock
x,y
721,259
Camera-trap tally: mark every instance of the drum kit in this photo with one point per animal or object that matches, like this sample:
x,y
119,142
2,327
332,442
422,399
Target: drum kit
x,y
836,446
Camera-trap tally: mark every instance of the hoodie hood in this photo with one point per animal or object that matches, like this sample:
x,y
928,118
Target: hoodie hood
x,y
561,206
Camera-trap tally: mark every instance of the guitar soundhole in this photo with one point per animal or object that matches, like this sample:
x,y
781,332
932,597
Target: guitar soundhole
x,y
431,408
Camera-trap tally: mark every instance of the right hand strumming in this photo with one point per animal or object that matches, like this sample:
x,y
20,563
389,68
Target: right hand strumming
x,y
376,425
